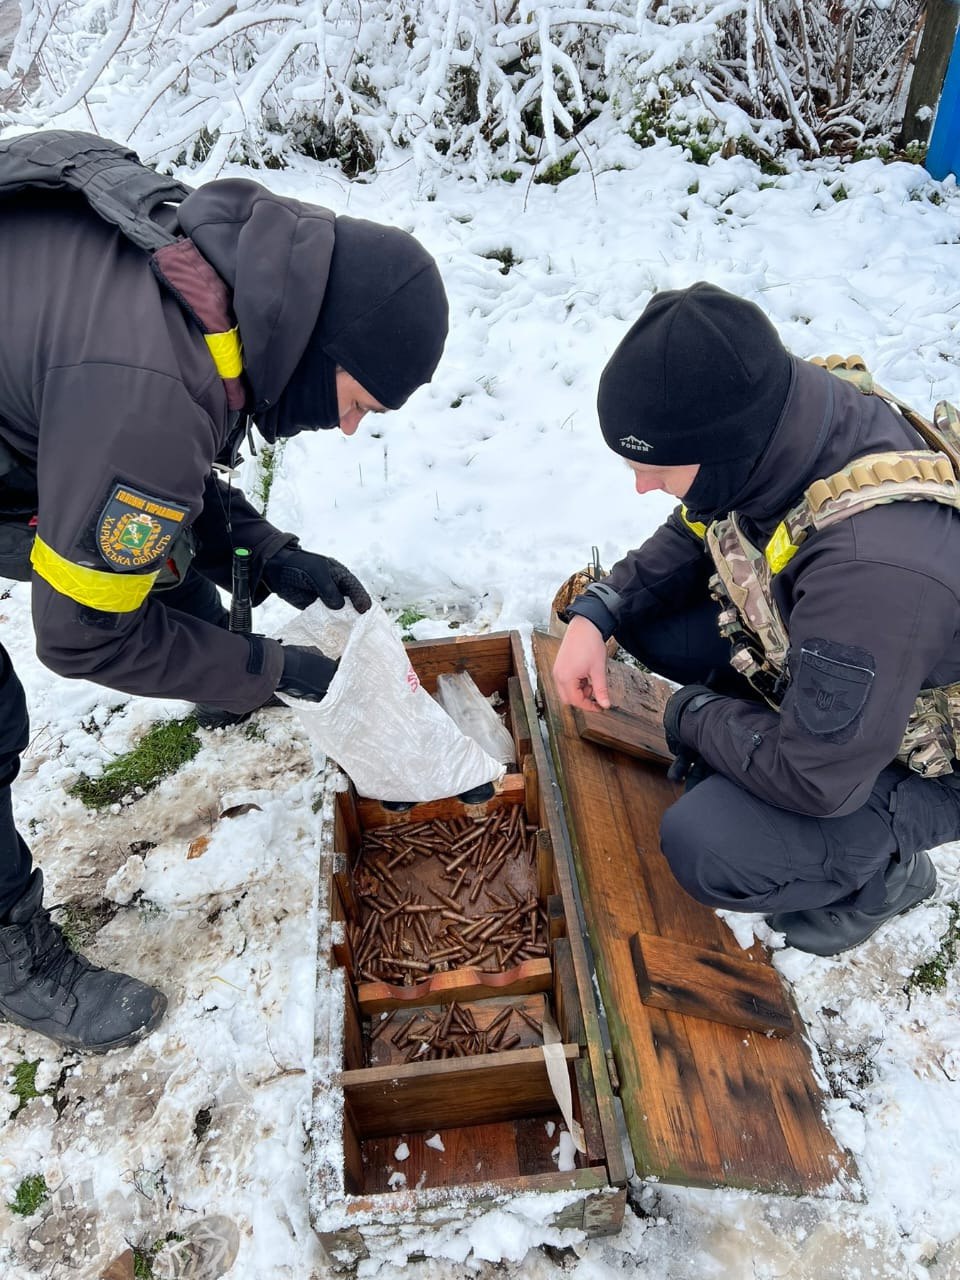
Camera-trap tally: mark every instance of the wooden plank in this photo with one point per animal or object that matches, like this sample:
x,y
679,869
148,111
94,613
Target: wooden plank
x,y
585,1108
535,1144
461,985
531,790
622,732
519,720
353,1177
556,917
545,880
705,1104
343,879
353,1055
346,824
745,1121
639,694
383,1208
509,790
707,983
565,995
552,819
474,1153
488,658
450,1093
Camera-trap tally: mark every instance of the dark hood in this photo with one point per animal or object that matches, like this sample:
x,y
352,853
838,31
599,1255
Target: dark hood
x,y
274,253
825,424
313,291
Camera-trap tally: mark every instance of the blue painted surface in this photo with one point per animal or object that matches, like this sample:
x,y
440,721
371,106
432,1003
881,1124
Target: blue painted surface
x,y
943,154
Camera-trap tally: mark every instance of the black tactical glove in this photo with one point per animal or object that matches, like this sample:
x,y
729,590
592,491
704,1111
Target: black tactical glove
x,y
306,672
686,762
300,577
689,768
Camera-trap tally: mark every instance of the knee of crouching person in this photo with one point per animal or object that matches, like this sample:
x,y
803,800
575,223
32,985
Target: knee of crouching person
x,y
683,845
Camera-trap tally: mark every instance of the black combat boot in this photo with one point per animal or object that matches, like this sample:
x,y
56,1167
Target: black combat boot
x,y
210,717
827,931
47,987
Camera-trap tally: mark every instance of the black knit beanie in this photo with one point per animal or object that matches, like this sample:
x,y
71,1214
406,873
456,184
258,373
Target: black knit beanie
x,y
383,319
701,377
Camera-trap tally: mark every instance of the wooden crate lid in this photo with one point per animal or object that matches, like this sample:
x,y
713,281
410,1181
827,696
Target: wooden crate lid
x,y
716,1090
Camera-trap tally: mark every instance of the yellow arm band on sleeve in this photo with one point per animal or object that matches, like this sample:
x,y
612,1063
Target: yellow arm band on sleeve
x,y
108,592
226,351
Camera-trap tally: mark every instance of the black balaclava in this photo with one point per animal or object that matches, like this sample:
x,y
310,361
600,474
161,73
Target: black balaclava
x,y
701,377
383,320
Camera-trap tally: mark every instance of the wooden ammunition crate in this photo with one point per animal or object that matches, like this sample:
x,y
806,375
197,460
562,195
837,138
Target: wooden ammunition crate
x,y
455,944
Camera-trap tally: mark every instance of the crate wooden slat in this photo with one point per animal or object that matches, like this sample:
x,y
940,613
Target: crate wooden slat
x,y
634,721
705,1103
710,984
457,984
453,1092
508,790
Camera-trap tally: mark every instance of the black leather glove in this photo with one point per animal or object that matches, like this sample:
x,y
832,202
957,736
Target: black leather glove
x,y
689,768
306,672
690,698
300,577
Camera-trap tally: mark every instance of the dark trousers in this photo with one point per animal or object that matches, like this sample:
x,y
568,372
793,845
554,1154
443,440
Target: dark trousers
x,y
197,596
15,861
729,849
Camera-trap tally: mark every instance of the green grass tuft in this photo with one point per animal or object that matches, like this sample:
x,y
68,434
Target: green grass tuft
x,y
269,467
406,618
30,1195
160,752
504,257
933,973
143,1257
25,1083
559,171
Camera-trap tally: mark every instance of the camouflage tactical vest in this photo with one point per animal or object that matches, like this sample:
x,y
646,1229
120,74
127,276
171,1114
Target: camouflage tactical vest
x,y
743,582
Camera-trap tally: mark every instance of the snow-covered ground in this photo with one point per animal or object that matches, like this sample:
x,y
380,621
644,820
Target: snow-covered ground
x,y
472,504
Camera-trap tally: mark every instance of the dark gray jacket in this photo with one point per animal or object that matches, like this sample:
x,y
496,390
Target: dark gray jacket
x,y
878,593
105,382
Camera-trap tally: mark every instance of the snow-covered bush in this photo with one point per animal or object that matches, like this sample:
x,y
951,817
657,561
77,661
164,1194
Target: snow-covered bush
x,y
479,81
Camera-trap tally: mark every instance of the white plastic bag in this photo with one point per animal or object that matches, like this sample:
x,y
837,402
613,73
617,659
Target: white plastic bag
x,y
385,731
466,706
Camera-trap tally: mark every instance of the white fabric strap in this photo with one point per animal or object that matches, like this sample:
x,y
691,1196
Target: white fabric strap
x,y
559,1077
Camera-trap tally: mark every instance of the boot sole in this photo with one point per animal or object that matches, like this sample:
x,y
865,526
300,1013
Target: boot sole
x,y
158,1009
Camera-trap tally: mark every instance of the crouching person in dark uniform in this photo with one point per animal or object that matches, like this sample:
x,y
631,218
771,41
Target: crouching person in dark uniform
x,y
127,383
821,727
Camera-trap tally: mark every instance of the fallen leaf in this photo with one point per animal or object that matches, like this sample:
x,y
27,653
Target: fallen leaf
x,y
198,847
237,810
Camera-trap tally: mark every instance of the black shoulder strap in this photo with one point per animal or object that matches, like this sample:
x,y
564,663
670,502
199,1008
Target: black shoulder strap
x,y
111,177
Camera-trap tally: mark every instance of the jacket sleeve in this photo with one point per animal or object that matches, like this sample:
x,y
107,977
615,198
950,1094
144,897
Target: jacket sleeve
x,y
863,637
227,521
124,457
668,572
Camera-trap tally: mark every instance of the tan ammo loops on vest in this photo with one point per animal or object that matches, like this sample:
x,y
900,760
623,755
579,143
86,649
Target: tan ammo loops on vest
x,y
743,582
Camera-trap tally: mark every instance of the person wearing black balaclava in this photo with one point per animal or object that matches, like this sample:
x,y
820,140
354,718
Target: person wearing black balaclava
x,y
799,803
128,381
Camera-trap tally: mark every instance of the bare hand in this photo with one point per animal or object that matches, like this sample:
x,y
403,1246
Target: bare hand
x,y
580,671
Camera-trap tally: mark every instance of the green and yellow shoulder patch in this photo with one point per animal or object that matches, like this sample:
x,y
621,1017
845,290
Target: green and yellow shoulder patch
x,y
135,529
